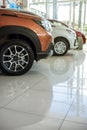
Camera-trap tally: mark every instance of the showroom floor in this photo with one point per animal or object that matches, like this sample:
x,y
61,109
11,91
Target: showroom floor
x,y
51,96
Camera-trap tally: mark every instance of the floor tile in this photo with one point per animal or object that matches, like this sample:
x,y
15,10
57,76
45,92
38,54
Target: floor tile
x,y
58,110
73,126
78,111
11,87
45,124
65,88
41,103
12,120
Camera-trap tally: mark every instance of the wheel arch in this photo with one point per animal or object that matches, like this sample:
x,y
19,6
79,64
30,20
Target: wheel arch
x,y
9,32
61,37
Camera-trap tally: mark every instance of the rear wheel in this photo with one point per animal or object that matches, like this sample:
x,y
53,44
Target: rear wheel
x,y
16,57
60,47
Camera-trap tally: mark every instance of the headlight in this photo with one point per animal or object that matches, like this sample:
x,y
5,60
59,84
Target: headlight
x,y
45,24
71,32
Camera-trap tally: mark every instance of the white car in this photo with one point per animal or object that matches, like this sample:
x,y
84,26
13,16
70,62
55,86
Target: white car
x,y
64,38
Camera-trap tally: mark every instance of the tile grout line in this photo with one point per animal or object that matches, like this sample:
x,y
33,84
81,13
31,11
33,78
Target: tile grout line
x,y
31,113
67,113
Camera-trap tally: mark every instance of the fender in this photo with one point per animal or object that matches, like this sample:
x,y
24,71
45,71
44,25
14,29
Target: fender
x,y
7,30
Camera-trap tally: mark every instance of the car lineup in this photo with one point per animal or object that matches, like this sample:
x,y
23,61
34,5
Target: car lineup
x,y
25,37
66,38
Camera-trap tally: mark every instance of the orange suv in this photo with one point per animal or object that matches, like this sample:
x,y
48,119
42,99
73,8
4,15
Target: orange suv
x,y
24,37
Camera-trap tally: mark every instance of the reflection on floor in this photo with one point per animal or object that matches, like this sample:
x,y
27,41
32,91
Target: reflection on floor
x,y
51,96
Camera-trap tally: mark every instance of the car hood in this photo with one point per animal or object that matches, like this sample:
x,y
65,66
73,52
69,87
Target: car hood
x,y
19,13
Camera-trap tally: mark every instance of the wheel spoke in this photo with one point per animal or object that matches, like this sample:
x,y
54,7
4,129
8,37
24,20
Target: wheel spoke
x,y
24,55
11,53
10,66
23,61
6,56
22,49
15,47
21,66
15,67
8,61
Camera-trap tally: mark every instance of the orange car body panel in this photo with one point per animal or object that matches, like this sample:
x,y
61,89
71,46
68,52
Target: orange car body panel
x,y
16,18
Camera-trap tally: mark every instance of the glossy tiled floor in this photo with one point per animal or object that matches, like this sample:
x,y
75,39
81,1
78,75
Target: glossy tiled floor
x,y
51,96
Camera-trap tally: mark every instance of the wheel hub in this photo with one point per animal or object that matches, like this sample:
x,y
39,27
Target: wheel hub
x,y
60,47
15,58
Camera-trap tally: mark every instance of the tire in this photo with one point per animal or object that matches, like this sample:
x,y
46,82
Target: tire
x,y
60,47
16,57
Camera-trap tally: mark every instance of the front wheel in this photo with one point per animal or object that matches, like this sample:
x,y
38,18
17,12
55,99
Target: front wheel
x,y
60,47
16,57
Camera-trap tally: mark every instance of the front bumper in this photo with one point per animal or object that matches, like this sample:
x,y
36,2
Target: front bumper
x,y
48,52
